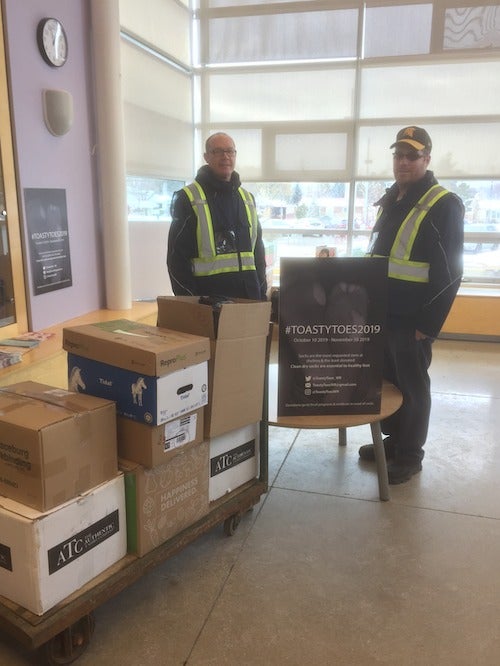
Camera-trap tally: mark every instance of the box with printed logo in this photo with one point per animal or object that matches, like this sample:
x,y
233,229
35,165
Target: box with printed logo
x,y
234,460
163,501
143,349
154,375
154,445
143,398
54,444
47,556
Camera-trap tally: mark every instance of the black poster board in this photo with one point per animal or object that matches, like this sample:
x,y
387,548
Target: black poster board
x,y
331,331
47,222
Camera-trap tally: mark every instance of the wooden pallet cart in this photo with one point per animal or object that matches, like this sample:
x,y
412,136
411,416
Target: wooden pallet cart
x,y
63,633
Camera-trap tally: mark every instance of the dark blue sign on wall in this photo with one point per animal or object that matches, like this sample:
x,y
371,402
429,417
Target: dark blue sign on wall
x,y
47,221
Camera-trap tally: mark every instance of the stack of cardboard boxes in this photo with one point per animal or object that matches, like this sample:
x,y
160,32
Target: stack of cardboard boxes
x,y
62,500
238,332
191,434
159,381
159,424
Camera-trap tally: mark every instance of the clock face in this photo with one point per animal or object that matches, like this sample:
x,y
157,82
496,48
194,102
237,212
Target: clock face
x,y
52,42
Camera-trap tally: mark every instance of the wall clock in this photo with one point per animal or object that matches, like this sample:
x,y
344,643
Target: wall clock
x,y
52,41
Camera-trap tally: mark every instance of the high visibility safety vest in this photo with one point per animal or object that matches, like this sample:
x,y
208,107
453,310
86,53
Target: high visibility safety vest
x,y
401,267
208,262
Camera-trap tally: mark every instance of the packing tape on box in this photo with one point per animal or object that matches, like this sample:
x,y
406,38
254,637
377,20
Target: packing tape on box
x,y
56,397
17,401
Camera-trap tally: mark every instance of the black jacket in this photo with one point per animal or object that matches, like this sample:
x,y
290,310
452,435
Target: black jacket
x,y
439,242
229,220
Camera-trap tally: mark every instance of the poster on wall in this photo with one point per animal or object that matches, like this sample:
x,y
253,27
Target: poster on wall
x,y
331,332
47,222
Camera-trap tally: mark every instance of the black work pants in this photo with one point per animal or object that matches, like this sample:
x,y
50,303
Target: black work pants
x,y
406,364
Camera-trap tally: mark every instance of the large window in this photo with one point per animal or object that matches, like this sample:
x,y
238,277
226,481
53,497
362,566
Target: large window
x,y
149,199
158,121
314,94
299,219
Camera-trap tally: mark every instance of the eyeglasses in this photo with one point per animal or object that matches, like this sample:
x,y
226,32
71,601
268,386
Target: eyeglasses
x,y
411,157
230,152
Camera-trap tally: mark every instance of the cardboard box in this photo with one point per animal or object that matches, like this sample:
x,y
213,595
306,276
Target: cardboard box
x,y
54,444
238,355
163,501
45,557
143,349
155,445
144,398
234,460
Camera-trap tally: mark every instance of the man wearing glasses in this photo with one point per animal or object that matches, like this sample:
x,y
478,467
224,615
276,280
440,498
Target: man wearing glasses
x,y
419,228
215,243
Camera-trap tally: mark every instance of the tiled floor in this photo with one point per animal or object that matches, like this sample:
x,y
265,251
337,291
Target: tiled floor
x,y
323,573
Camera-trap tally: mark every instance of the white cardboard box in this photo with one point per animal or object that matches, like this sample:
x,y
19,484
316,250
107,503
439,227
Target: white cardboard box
x,y
234,460
144,398
45,557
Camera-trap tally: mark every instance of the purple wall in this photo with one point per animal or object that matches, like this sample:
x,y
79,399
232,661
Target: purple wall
x,y
64,162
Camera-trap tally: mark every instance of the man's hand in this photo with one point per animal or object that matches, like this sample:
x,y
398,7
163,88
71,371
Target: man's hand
x,y
420,336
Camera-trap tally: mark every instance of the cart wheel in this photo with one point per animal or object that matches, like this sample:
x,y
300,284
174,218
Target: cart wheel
x,y
231,524
66,647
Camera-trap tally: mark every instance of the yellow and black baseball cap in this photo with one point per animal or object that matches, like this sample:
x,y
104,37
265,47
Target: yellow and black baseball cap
x,y
416,137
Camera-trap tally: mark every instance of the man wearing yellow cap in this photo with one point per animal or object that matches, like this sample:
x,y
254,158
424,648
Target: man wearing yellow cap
x,y
419,227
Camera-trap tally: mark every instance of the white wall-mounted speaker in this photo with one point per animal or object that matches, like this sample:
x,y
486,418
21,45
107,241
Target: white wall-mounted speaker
x,y
57,111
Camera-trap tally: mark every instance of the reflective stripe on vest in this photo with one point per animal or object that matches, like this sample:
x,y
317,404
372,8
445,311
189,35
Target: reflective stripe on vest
x,y
401,267
208,261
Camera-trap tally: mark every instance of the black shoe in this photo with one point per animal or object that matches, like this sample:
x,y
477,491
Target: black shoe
x,y
399,472
367,452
